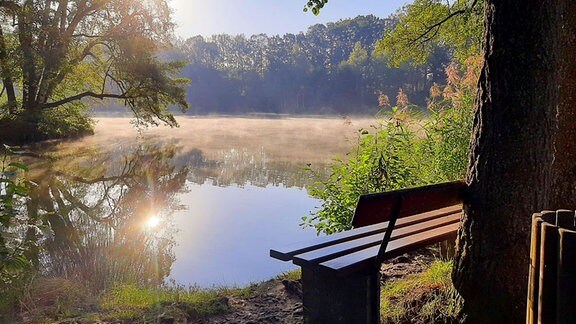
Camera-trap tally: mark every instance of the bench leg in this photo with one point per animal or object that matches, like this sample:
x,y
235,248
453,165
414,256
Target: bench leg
x,y
328,298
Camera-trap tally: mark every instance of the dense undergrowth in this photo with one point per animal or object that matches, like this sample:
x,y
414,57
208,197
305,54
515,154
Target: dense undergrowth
x,y
58,123
49,300
408,146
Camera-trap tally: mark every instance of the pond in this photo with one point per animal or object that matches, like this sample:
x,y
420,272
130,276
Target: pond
x,y
201,204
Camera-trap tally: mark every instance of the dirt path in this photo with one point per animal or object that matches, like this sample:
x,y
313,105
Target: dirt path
x,y
271,302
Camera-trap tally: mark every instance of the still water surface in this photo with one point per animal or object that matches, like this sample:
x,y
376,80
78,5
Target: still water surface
x,y
201,204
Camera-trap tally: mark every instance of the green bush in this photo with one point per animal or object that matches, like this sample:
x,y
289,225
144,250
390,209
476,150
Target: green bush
x,y
384,159
404,149
65,122
14,263
69,121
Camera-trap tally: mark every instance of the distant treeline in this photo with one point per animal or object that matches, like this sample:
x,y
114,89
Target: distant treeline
x,y
329,69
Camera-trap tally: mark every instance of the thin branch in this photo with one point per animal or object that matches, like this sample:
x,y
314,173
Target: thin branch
x,y
83,95
95,180
105,78
83,207
87,35
424,37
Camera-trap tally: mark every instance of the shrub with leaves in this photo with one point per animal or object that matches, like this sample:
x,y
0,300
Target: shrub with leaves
x,y
12,188
404,149
13,226
384,159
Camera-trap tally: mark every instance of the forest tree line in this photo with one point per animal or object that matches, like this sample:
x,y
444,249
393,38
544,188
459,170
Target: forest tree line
x,y
332,68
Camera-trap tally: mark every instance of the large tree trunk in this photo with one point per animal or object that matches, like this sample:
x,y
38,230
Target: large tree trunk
x,y
524,143
564,164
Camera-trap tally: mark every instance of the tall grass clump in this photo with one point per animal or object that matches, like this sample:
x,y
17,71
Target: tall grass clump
x,y
136,303
407,147
427,297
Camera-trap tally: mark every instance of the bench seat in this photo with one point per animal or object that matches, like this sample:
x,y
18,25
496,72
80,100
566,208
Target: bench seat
x,y
366,258
359,247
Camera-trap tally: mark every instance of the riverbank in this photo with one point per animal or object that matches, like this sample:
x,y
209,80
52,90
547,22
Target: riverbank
x,y
416,288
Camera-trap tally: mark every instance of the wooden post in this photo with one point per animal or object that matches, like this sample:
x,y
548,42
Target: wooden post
x,y
329,298
566,285
553,268
565,219
533,284
548,272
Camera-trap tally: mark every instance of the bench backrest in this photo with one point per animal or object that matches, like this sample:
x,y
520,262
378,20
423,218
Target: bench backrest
x,y
375,208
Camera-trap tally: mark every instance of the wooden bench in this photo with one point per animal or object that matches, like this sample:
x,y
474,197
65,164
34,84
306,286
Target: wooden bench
x,y
341,272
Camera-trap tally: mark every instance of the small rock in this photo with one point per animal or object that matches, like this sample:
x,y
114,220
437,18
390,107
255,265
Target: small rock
x,y
293,286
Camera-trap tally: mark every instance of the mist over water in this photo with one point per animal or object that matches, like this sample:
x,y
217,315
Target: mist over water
x,y
199,204
282,139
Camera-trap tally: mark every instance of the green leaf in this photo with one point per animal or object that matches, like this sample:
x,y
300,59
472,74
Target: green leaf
x,y
18,165
20,191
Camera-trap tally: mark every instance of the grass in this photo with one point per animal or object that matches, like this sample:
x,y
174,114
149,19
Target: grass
x,y
426,297
54,298
51,300
133,303
290,275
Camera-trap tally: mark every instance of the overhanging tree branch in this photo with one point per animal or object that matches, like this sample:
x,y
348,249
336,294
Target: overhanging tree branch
x,y
86,94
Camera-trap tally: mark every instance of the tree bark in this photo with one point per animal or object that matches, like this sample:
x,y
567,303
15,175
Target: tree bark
x,y
6,75
523,151
28,63
564,166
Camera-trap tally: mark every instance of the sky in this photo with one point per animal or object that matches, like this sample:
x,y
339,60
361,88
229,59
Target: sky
x,y
272,17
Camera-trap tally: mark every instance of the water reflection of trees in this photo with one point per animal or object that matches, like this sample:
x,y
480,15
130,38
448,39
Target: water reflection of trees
x,y
91,205
242,167
94,207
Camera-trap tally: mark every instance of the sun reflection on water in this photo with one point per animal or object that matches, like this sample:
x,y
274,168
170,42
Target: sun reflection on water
x,y
153,222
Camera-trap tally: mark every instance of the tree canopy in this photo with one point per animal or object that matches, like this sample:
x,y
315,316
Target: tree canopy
x,y
330,68
54,54
426,25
